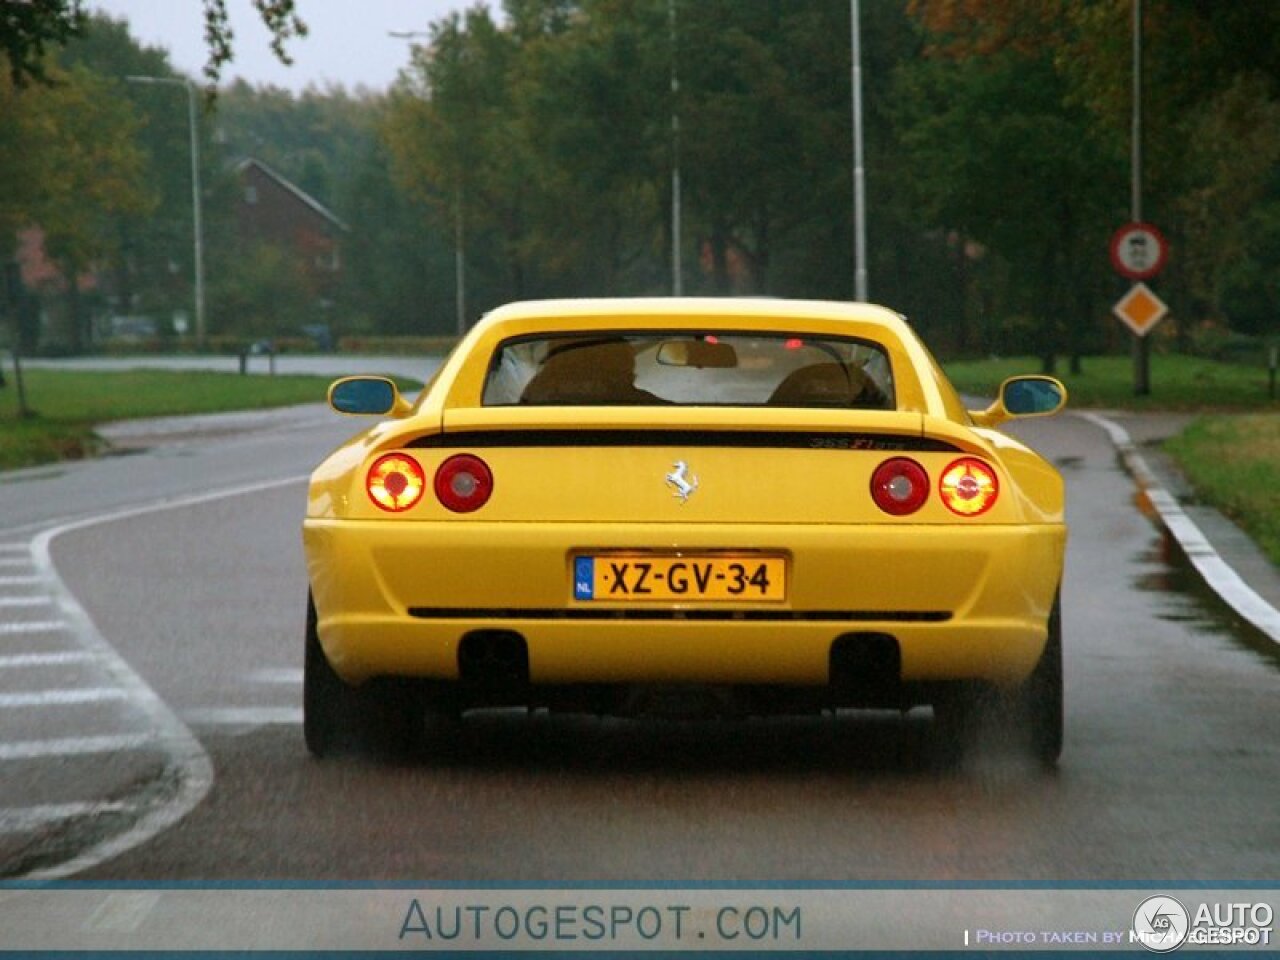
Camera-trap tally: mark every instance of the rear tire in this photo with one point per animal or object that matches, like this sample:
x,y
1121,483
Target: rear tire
x,y
1042,698
384,717
971,717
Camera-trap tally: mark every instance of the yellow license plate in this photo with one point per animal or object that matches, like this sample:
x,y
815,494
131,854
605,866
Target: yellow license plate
x,y
644,577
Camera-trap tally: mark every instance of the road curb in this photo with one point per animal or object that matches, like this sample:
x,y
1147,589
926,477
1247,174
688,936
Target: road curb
x,y
1217,573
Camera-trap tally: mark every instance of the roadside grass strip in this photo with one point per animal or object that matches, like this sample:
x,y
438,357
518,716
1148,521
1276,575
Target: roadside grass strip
x,y
1216,572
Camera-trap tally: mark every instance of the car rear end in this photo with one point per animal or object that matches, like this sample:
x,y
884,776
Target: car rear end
x,y
800,552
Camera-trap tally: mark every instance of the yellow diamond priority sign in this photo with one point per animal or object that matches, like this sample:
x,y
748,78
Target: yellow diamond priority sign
x,y
1140,309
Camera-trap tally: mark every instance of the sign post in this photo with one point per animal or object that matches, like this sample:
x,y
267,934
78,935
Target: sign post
x,y
1139,252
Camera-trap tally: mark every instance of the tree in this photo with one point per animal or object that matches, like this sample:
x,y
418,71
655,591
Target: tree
x,y
28,28
80,168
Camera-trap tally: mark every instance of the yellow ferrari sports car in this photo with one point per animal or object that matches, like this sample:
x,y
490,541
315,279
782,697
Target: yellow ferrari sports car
x,y
678,505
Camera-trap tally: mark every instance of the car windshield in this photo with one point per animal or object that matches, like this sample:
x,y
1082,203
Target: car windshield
x,y
690,369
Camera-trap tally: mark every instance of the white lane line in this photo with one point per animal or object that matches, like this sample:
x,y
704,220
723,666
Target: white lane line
x,y
186,754
62,697
75,746
1217,572
243,716
26,601
22,819
277,676
20,581
32,626
45,659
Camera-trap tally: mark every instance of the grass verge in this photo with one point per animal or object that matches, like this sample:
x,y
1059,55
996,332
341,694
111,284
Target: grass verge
x,y
68,404
1234,464
1177,382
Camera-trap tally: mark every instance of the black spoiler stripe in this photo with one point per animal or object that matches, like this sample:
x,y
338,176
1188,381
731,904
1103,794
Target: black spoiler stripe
x,y
774,439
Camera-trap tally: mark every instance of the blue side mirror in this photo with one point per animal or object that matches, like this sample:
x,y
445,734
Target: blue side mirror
x,y
364,396
1029,396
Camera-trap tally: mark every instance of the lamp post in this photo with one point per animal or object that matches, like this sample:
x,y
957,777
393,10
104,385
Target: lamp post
x,y
859,184
677,276
1141,345
196,206
459,233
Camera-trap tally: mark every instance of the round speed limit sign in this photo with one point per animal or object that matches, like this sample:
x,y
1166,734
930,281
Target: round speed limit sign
x,y
1138,251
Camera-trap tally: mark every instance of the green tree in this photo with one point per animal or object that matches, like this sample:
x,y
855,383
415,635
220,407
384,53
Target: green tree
x,y
86,170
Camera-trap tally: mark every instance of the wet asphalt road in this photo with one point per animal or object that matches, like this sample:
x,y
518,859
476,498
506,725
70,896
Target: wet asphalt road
x,y
1169,770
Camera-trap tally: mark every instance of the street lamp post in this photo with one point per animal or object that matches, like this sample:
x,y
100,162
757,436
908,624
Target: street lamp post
x,y
859,177
677,277
196,206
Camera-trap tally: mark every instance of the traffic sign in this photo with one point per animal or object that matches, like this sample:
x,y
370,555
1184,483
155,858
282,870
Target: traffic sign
x,y
1138,251
1140,309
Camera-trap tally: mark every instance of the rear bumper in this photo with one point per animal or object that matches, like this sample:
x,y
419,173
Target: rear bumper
x,y
962,602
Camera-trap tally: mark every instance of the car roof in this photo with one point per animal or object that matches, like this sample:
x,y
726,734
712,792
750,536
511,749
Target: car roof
x,y
751,312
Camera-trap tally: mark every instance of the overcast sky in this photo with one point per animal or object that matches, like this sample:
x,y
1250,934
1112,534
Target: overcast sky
x,y
347,44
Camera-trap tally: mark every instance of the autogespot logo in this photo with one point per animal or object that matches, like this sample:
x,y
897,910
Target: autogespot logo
x,y
1161,924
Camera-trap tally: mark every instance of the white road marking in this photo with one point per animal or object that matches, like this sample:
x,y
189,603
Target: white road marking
x,y
22,819
187,756
74,746
45,659
61,697
20,581
15,562
26,601
14,548
1216,571
243,716
277,676
32,626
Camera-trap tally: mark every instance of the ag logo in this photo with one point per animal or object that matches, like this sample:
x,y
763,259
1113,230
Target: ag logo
x,y
1161,924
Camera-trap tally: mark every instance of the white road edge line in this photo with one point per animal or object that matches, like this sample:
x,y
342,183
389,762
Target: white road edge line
x,y
188,756
1217,572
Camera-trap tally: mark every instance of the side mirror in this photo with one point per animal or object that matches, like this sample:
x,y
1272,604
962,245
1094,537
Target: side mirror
x,y
1023,397
367,397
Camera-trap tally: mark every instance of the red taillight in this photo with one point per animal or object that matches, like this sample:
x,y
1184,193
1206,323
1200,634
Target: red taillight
x,y
464,483
968,487
899,486
395,482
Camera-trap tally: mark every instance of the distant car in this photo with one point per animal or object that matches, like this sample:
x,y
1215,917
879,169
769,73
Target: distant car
x,y
621,506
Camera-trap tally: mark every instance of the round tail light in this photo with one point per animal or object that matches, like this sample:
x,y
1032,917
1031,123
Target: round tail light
x,y
899,486
395,482
464,483
968,487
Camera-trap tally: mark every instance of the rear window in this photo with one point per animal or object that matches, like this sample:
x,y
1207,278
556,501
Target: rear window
x,y
690,369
